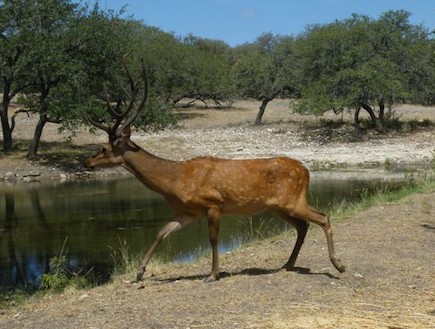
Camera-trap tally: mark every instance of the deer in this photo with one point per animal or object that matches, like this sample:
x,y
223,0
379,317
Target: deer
x,y
209,186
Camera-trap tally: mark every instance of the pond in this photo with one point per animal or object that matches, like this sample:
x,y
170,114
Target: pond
x,y
93,219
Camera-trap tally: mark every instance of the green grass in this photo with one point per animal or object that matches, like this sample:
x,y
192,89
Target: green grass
x,y
123,261
126,263
12,298
60,277
412,185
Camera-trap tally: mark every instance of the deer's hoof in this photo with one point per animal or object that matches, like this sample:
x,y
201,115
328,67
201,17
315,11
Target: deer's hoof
x,y
289,267
340,267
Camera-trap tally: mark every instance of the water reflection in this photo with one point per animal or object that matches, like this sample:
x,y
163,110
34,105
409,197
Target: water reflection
x,y
95,215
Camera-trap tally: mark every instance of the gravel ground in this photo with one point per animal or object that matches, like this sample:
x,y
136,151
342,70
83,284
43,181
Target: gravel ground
x,y
230,133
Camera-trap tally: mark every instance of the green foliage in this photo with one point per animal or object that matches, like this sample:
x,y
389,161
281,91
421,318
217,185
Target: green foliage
x,y
61,58
123,261
413,184
12,298
59,277
360,61
101,40
265,68
31,35
165,56
156,116
191,68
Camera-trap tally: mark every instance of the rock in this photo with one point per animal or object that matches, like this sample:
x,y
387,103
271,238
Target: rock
x,y
83,297
10,177
358,276
30,179
31,176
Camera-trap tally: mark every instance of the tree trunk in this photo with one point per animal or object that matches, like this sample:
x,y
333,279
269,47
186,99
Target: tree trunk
x,y
264,102
7,131
382,110
33,149
356,117
372,114
259,118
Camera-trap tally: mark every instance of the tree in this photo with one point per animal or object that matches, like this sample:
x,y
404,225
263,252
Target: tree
x,y
167,57
63,60
104,41
208,71
410,48
358,63
52,65
15,41
192,67
33,59
265,69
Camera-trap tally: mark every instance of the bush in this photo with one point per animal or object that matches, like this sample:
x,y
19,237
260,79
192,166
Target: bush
x,y
60,277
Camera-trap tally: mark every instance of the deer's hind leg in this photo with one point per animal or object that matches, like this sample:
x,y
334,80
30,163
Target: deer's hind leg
x,y
172,226
309,214
301,227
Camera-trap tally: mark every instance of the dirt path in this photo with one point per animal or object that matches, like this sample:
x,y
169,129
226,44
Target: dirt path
x,y
389,283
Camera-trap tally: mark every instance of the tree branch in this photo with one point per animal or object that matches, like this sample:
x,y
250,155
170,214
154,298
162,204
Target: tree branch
x,y
15,115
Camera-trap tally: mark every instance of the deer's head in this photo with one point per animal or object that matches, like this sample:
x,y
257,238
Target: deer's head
x,y
119,132
111,154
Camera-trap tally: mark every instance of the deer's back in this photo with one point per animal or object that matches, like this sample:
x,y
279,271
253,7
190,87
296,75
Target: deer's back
x,y
244,186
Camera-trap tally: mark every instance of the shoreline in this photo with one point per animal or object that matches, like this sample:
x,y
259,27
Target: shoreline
x,y
408,151
253,292
229,133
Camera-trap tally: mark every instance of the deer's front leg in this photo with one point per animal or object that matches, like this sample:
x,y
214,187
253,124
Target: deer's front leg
x,y
213,217
174,225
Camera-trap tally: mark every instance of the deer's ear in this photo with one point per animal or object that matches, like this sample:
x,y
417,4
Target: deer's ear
x,y
125,134
126,131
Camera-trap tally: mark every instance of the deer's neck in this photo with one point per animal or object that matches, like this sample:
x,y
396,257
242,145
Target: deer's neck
x,y
156,173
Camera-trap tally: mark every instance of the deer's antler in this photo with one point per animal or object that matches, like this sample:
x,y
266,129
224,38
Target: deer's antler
x,y
134,87
132,109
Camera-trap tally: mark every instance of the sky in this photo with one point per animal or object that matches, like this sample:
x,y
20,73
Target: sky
x,y
239,21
